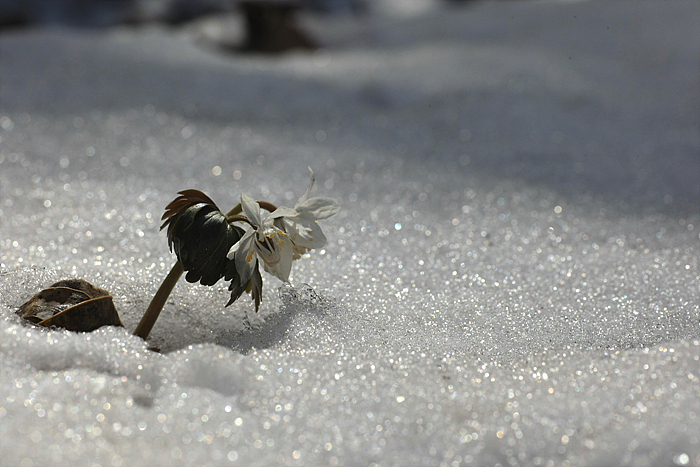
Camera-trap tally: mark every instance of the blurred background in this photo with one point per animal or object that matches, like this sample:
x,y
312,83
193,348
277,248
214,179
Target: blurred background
x,y
266,26
104,13
587,97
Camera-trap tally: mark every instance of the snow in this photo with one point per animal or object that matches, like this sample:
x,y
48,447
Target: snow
x,y
512,280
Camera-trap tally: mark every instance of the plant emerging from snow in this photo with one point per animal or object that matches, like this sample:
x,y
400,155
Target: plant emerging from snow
x,y
210,246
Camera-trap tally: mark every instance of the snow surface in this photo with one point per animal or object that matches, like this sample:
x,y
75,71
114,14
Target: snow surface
x,y
513,278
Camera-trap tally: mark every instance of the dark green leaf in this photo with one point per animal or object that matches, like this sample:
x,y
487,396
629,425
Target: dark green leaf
x,y
200,236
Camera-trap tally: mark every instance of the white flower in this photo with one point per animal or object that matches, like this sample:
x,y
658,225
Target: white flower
x,y
282,236
264,241
300,223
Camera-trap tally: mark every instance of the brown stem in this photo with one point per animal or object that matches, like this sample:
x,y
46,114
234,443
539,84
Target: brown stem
x,y
154,309
269,207
235,211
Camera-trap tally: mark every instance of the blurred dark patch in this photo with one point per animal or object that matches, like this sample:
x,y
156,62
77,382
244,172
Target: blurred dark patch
x,y
104,13
272,27
81,13
183,11
270,24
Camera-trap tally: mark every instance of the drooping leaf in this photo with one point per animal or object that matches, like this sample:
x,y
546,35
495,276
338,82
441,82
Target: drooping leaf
x,y
252,284
256,289
72,304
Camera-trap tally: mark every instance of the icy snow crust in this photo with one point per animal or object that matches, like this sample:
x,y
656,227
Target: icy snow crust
x,y
513,278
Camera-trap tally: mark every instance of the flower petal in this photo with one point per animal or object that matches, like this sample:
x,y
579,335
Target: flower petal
x,y
318,208
283,267
305,233
251,209
266,247
282,211
314,237
236,246
308,190
244,255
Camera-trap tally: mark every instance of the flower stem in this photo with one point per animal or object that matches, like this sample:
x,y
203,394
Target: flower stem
x,y
269,207
154,309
